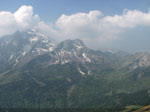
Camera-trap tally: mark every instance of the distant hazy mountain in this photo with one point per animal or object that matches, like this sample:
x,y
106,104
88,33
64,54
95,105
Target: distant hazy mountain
x,y
35,71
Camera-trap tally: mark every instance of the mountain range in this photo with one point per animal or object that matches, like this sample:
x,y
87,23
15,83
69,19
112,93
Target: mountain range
x,y
38,72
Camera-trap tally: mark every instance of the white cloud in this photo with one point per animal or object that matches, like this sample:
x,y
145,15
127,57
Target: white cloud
x,y
80,24
92,20
129,19
22,19
48,29
93,27
7,23
25,18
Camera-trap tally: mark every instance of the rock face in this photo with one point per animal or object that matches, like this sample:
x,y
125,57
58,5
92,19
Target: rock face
x,y
44,73
85,60
140,60
21,47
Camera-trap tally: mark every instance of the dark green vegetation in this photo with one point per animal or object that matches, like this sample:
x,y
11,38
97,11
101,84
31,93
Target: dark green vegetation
x,y
73,76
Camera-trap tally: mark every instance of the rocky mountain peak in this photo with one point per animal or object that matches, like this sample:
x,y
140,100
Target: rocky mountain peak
x,y
76,44
21,47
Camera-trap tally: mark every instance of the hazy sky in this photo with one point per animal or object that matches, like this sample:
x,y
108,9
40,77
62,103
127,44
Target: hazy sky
x,y
102,24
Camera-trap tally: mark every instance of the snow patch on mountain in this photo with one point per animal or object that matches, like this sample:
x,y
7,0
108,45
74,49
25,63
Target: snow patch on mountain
x,y
35,39
51,49
86,58
11,57
89,72
78,46
81,71
16,62
56,62
65,61
23,53
63,52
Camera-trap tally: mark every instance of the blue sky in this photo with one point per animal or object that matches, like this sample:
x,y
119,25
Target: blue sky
x,y
101,24
51,10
